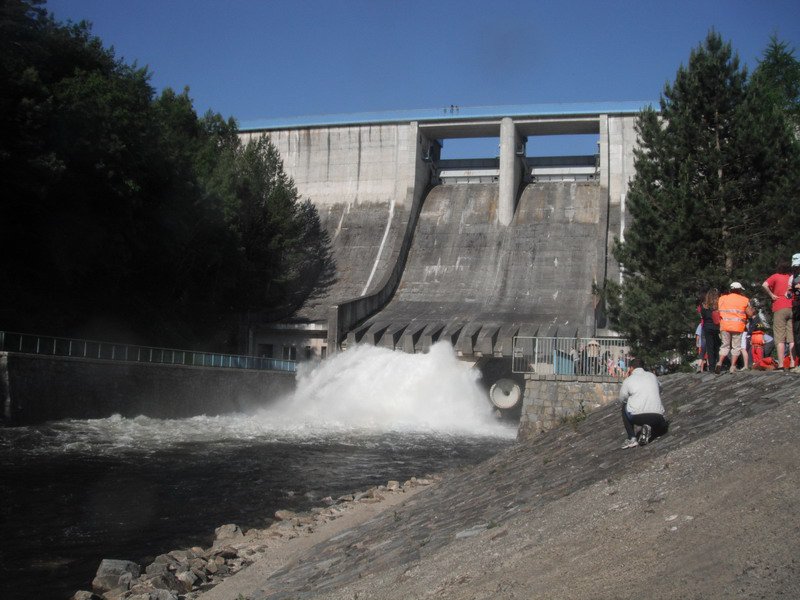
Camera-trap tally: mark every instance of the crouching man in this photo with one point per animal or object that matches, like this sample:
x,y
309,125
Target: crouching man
x,y
641,405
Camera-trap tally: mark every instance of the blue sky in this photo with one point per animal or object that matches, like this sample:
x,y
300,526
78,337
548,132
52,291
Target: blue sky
x,y
261,59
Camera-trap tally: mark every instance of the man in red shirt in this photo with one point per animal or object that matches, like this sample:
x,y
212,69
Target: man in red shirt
x,y
777,287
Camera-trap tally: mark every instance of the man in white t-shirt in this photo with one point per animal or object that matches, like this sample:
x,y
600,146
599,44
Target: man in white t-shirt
x,y
640,395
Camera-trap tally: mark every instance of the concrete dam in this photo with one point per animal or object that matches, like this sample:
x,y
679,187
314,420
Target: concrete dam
x,y
474,251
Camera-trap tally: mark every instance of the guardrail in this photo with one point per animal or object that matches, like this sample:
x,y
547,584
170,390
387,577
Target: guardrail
x,y
89,349
596,357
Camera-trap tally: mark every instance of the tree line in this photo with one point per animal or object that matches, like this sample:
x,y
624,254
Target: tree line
x,y
715,194
126,215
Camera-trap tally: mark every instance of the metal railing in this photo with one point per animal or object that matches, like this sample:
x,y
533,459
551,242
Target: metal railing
x,y
603,357
89,349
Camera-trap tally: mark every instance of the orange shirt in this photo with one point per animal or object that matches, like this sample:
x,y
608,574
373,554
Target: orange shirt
x,y
732,313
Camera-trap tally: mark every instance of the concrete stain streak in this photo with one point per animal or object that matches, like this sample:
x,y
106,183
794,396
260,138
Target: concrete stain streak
x,y
380,249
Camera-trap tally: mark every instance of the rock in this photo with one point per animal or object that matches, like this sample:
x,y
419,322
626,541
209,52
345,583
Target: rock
x,y
284,515
328,501
84,595
126,580
109,572
163,595
224,553
165,581
184,556
345,498
212,567
198,551
187,580
156,568
200,573
225,533
393,486
118,593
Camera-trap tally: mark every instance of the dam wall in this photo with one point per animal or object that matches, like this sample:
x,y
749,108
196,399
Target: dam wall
x,y
36,388
478,283
545,244
366,182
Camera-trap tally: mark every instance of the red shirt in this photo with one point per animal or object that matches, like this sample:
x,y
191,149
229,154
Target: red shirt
x,y
778,284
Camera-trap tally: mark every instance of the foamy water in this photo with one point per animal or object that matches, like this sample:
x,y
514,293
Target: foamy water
x,y
377,389
358,393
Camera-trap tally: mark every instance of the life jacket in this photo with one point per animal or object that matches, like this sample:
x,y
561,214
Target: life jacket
x,y
757,347
732,313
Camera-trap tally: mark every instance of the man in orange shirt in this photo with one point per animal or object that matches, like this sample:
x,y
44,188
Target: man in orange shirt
x,y
734,310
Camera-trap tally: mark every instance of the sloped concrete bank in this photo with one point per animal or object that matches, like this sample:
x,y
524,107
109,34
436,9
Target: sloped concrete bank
x,y
711,510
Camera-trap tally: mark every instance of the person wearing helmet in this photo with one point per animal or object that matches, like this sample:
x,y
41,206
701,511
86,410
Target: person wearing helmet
x,y
734,310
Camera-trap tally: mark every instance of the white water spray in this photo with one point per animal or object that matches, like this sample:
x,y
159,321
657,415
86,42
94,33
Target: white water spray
x,y
365,391
376,389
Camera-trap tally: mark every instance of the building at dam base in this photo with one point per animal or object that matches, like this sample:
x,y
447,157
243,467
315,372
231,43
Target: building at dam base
x,y
474,251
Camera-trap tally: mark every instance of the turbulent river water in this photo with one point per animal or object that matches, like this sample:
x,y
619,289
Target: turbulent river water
x,y
76,491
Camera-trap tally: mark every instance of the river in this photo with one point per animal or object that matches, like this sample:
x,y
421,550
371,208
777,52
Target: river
x,y
76,491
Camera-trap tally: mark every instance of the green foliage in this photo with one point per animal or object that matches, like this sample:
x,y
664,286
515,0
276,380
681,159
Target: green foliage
x,y
575,418
123,213
715,173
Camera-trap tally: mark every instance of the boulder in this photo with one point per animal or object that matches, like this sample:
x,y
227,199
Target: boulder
x,y
84,595
118,593
227,533
393,486
225,552
184,556
156,568
109,572
163,595
187,581
164,581
284,515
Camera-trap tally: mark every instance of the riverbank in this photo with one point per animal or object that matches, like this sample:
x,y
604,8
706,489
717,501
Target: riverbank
x,y
711,510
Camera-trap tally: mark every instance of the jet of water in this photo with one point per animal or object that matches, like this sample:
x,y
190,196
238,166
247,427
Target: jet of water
x,y
368,388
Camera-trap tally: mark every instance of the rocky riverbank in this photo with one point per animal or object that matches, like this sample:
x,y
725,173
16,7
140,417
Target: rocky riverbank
x,y
711,510
190,573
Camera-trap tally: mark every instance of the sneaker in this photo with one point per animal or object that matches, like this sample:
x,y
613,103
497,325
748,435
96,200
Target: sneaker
x,y
716,370
631,443
645,435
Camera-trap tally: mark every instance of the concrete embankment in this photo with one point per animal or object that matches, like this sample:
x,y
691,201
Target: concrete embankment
x,y
37,388
711,510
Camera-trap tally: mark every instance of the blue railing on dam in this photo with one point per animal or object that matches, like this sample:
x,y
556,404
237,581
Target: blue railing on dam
x,y
89,349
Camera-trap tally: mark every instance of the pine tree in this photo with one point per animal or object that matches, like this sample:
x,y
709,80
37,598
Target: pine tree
x,y
710,170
